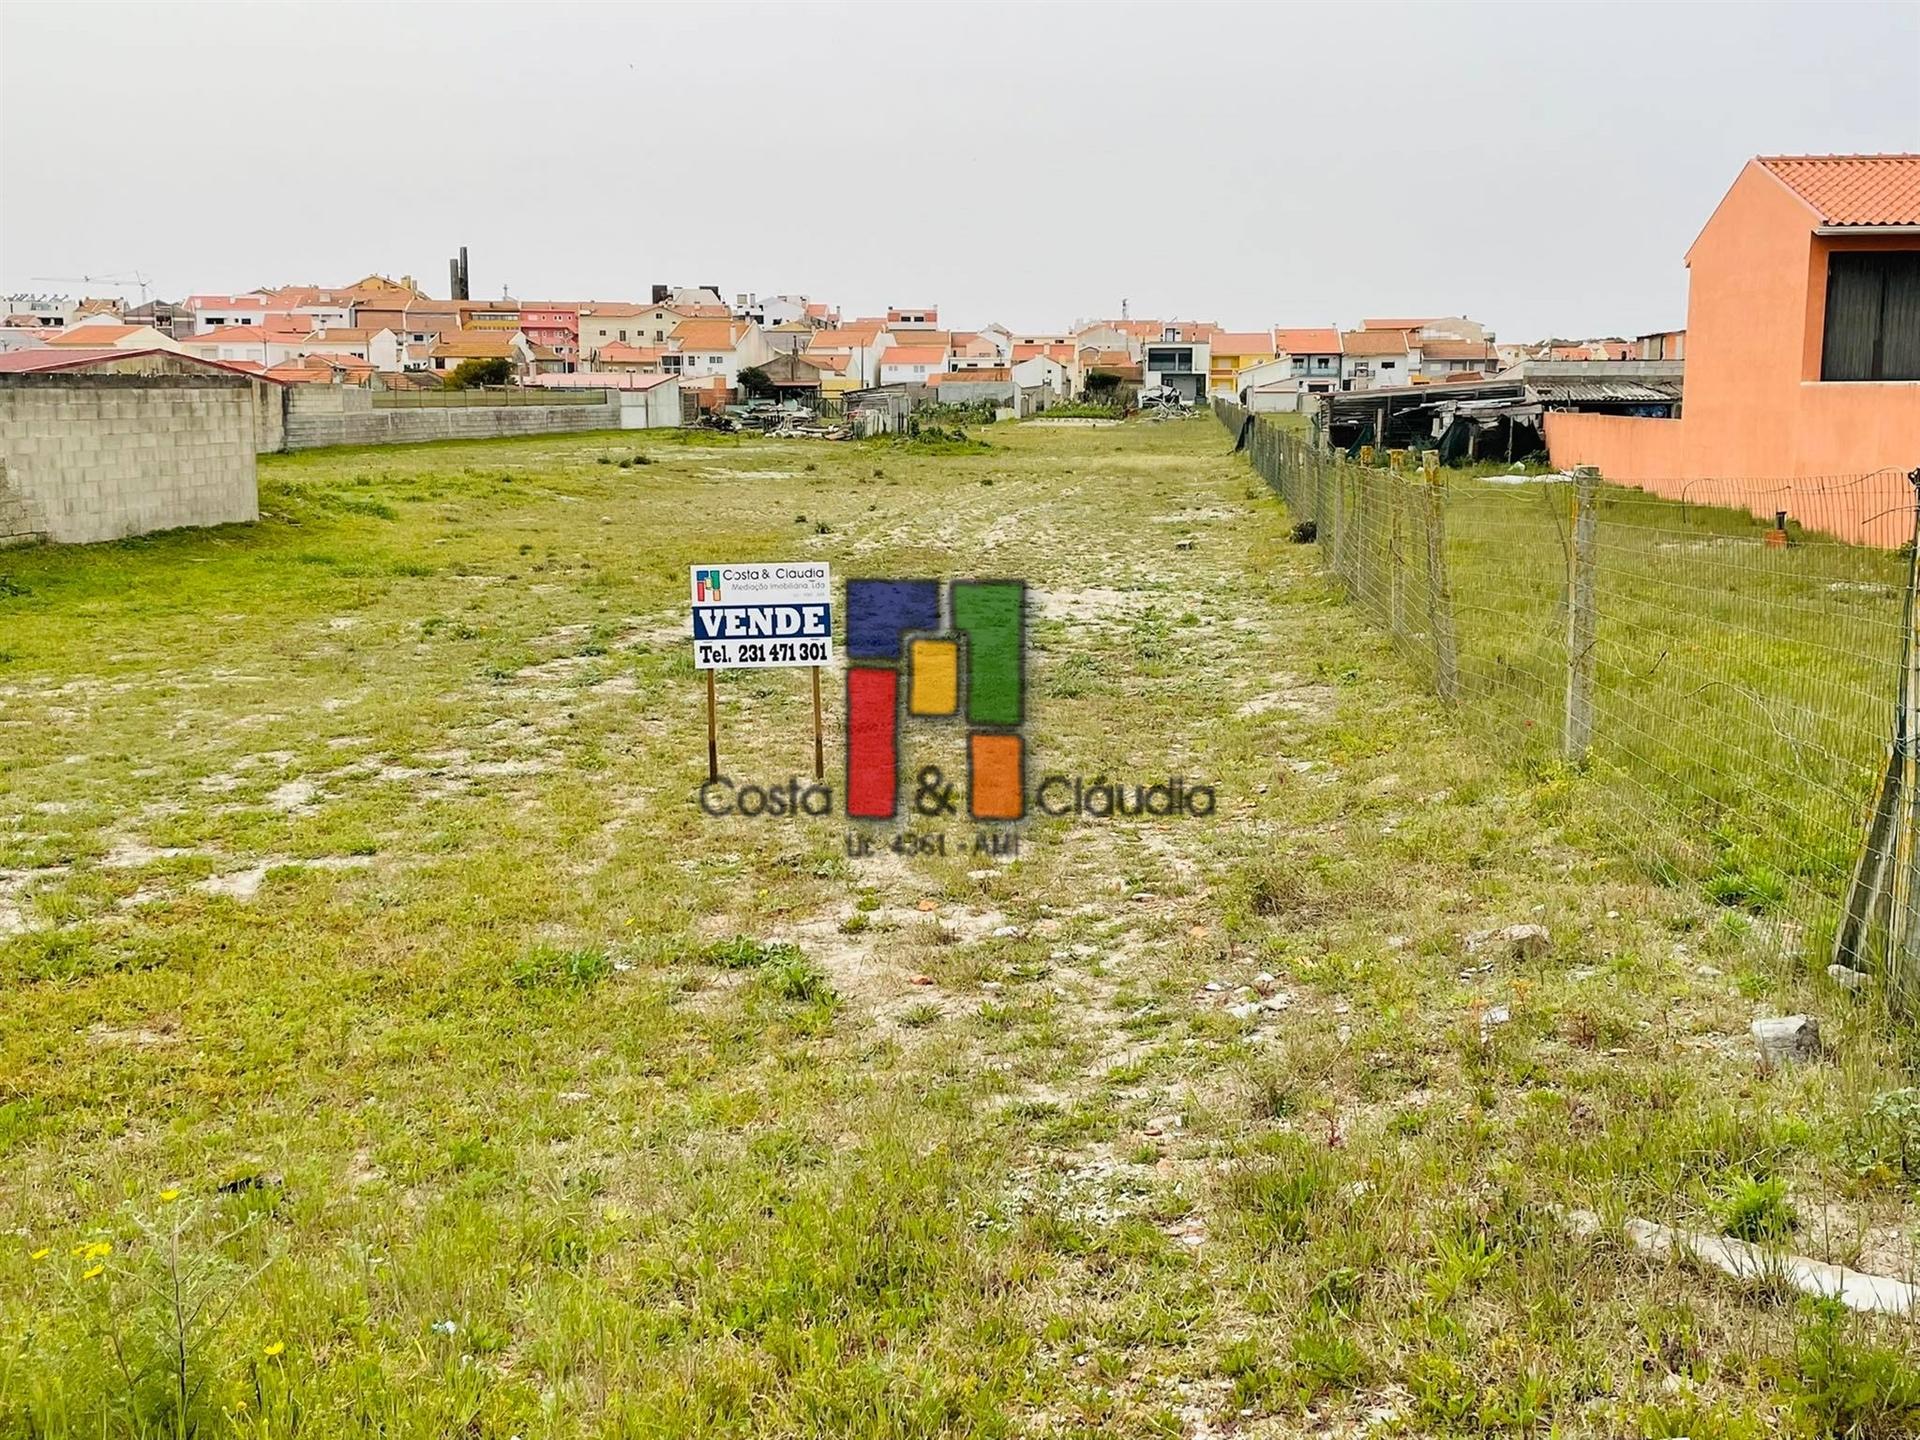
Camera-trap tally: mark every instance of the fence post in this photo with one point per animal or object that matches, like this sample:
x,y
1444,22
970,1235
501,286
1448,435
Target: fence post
x,y
1446,661
1336,554
1582,623
1884,883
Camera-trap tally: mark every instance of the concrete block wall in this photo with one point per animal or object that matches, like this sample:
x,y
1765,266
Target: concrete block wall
x,y
20,518
86,457
269,396
319,415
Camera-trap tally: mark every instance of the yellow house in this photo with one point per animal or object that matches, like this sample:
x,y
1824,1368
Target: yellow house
x,y
1233,352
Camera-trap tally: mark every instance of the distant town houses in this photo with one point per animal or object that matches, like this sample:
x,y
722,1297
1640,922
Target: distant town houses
x,y
381,332
384,332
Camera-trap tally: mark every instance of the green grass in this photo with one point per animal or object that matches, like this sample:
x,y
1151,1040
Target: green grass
x,y
373,976
1744,694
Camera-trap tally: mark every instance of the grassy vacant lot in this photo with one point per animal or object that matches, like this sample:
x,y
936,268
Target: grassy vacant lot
x,y
392,1047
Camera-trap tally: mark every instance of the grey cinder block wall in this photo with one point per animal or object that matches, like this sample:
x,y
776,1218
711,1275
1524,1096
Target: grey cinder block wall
x,y
320,415
87,457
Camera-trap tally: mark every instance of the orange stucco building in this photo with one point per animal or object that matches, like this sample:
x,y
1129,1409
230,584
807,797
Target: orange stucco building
x,y
1803,354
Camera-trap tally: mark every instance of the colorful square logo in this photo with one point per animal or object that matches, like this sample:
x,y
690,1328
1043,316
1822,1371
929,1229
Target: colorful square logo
x,y
950,653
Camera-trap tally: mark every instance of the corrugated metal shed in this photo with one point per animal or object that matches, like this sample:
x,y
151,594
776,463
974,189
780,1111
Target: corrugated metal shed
x,y
1602,392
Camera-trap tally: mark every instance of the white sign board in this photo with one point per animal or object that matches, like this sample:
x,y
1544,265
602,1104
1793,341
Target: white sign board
x,y
760,617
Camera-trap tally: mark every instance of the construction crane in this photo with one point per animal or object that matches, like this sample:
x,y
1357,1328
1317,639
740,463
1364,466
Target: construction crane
x,y
125,280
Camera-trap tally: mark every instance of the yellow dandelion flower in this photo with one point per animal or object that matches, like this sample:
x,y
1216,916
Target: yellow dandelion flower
x,y
95,1273
167,1197
43,1252
274,1349
98,1250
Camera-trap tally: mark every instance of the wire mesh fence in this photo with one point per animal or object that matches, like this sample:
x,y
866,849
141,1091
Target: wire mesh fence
x,y
1729,670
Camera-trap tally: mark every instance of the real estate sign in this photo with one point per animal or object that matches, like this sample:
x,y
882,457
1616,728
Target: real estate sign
x,y
760,617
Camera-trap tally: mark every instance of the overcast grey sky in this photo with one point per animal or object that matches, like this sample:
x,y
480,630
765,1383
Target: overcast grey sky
x,y
1540,167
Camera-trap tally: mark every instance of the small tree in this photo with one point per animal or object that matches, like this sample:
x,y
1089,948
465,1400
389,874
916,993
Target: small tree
x,y
469,373
755,382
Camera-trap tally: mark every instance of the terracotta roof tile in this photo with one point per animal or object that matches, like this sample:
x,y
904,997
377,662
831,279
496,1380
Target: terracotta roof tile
x,y
95,335
706,334
914,355
1307,342
1456,350
477,345
985,373
844,338
1374,342
1853,189
1242,342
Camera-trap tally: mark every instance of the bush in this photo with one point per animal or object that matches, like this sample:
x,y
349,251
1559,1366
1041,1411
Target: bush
x,y
1758,1210
471,373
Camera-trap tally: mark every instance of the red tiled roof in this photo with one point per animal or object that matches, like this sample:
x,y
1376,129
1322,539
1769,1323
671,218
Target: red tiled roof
x,y
476,345
1242,342
707,333
998,373
14,361
619,354
243,335
225,302
95,335
1852,189
1374,342
1395,324
320,370
844,338
914,355
1307,342
1456,350
27,361
1061,352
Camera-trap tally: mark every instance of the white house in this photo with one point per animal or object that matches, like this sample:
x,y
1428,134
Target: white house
x,y
1376,359
1272,386
768,311
911,364
861,345
1313,356
212,311
379,348
703,349
247,344
1182,365
1043,371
